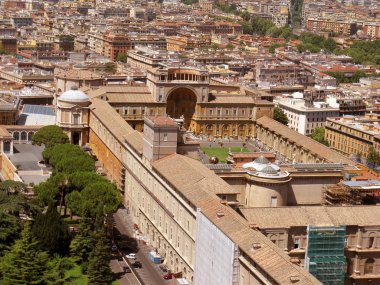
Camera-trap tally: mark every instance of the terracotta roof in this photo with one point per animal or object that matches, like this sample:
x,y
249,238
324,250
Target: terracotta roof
x,y
78,74
223,99
123,94
163,121
306,142
198,184
4,133
286,217
117,125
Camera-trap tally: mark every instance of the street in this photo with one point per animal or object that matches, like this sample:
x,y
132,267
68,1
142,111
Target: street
x,y
149,274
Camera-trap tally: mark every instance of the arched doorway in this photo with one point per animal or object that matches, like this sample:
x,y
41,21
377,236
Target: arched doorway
x,y
181,102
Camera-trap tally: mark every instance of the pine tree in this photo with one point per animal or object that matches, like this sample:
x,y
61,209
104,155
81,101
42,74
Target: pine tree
x,y
51,231
99,271
83,243
25,263
56,273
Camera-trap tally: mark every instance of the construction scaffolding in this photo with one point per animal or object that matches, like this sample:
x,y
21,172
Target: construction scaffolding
x,y
352,193
325,254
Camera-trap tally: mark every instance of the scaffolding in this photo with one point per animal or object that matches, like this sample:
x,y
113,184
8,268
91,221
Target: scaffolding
x,y
325,254
344,193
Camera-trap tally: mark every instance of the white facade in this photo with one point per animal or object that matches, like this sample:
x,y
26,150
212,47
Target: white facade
x,y
305,119
215,255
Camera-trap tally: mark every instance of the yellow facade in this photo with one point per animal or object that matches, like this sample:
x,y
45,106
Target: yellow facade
x,y
348,139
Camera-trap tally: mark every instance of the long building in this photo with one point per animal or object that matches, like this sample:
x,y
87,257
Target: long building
x,y
174,201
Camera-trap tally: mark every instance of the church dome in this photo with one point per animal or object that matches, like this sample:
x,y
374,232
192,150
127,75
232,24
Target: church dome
x,y
74,95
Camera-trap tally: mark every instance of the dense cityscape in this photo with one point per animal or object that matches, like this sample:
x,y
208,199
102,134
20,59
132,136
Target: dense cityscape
x,y
181,142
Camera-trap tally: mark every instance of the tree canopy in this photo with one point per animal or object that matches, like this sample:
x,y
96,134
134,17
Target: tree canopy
x,y
51,231
25,263
318,135
99,271
280,116
49,136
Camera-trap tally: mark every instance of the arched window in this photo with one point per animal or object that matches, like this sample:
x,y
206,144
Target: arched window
x,y
16,136
369,266
24,136
30,136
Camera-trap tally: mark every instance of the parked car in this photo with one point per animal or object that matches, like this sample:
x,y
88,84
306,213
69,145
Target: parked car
x,y
163,268
114,247
137,264
167,276
131,256
127,269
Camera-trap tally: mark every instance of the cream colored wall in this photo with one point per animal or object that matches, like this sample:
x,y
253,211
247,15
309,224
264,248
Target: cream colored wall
x,y
308,190
173,223
258,195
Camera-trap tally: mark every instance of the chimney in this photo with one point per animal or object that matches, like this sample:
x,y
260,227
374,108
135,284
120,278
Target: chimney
x,y
160,137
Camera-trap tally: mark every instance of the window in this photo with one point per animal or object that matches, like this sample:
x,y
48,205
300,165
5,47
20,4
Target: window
x,y
371,240
369,265
165,137
296,243
134,112
273,201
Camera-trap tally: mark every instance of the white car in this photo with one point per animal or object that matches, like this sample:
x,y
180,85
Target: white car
x,y
131,256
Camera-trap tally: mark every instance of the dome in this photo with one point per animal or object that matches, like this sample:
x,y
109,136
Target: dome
x,y
74,95
269,170
261,160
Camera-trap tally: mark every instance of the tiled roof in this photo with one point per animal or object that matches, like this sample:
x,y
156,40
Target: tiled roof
x,y
286,217
117,125
197,184
307,143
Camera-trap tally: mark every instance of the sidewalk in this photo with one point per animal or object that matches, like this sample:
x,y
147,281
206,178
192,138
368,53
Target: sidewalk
x,y
151,274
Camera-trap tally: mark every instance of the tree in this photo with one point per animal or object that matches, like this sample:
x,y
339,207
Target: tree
x,y
229,46
10,228
15,204
56,273
51,231
318,135
83,243
11,186
46,192
49,136
25,263
373,157
99,272
122,56
100,198
280,116
80,179
74,203
73,164
110,67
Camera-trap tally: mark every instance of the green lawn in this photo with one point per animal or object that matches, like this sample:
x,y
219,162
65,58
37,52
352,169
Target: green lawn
x,y
222,152
80,278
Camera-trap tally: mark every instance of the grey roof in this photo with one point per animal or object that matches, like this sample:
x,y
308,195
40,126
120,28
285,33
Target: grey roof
x,y
261,160
269,170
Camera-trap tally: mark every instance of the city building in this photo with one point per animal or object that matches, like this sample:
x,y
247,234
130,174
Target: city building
x,y
351,234
352,135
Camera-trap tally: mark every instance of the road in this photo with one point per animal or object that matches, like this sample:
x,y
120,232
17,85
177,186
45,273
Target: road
x,y
124,278
150,274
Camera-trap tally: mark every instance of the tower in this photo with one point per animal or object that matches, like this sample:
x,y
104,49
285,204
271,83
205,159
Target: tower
x,y
73,115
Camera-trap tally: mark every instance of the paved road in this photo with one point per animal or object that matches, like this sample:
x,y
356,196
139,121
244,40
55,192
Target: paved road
x,y
150,274
124,278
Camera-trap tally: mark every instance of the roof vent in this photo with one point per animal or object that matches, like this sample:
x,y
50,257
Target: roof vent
x,y
220,214
256,245
294,278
